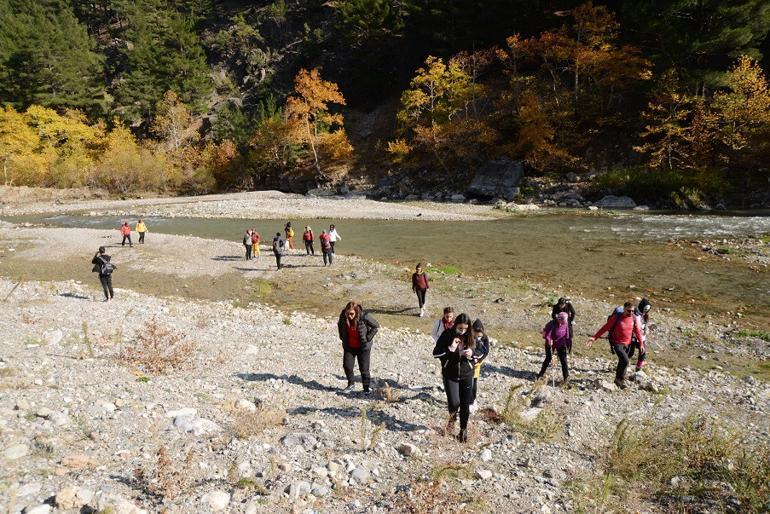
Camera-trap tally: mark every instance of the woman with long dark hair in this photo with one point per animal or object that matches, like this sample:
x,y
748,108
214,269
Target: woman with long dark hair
x,y
357,329
458,353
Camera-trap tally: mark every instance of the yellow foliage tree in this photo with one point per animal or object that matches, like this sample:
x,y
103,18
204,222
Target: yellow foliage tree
x,y
314,125
173,122
24,161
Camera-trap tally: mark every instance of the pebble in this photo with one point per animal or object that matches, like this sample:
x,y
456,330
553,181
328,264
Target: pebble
x,y
486,455
16,451
245,405
38,509
216,500
360,475
409,450
298,489
483,474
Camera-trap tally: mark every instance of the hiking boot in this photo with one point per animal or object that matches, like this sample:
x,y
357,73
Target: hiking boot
x,y
463,435
621,383
367,390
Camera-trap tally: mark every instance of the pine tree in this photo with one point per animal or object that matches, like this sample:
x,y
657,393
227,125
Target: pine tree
x,y
47,57
164,53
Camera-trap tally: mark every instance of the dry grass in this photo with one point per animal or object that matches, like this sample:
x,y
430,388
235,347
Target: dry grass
x,y
167,480
430,497
387,393
369,432
546,427
248,424
158,349
689,465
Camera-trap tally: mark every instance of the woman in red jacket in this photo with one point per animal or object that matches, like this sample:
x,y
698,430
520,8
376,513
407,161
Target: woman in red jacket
x,y
420,286
621,327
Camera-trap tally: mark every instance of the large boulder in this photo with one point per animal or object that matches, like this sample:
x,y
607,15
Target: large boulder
x,y
616,202
498,178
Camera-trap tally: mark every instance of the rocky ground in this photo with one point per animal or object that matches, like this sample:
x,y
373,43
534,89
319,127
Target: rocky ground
x,y
249,416
256,205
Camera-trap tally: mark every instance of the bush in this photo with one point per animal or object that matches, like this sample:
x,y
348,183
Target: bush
x,y
694,460
157,349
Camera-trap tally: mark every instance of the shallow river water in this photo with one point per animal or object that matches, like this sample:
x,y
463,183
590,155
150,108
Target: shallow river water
x,y
622,255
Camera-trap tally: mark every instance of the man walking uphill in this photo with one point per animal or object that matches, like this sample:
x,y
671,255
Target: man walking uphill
x,y
621,327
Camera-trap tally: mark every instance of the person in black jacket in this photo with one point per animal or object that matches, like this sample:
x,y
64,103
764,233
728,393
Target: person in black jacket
x,y
357,329
458,353
105,272
564,305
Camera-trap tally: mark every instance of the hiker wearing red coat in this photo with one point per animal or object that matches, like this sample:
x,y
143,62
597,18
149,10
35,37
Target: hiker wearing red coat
x,y
125,231
621,327
420,286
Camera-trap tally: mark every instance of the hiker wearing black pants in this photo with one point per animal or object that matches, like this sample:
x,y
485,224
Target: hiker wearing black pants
x,y
564,305
420,286
104,268
642,313
557,336
308,238
278,249
457,351
326,247
621,327
247,244
357,329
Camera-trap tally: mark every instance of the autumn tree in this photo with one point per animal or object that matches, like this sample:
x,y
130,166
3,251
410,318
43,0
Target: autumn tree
x,y
173,122
20,150
313,122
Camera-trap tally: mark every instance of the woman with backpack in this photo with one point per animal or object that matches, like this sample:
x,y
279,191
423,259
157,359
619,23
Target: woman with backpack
x,y
642,313
445,323
621,327
420,286
104,268
457,351
278,249
357,329
326,247
557,337
564,305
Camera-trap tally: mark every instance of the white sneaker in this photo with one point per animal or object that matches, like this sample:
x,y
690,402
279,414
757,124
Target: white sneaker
x,y
474,407
422,312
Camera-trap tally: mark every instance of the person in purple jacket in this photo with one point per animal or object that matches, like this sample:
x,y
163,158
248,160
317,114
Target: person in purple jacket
x,y
556,335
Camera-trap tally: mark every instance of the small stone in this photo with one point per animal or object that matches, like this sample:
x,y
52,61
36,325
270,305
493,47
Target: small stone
x,y
298,489
59,419
52,336
409,450
486,455
30,489
285,467
333,467
22,404
483,474
38,509
319,490
77,461
245,405
187,411
360,475
43,412
530,414
16,451
321,471
606,386
299,439
216,500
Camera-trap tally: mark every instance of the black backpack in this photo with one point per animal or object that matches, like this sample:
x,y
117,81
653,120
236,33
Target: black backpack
x,y
107,267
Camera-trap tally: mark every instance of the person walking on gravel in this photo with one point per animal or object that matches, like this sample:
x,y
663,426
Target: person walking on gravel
x,y
255,238
420,286
326,247
482,342
308,238
247,243
104,268
642,313
125,231
289,235
334,236
458,353
557,337
357,329
141,229
564,305
446,322
279,248
621,327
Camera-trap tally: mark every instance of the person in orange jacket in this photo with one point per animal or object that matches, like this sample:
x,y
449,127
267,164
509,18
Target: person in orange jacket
x,y
125,231
621,326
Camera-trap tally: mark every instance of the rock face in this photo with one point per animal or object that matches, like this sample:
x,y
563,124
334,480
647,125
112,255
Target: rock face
x,y
498,178
616,202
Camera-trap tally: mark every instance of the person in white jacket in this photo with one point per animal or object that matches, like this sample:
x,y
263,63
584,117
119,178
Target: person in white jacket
x,y
334,236
442,324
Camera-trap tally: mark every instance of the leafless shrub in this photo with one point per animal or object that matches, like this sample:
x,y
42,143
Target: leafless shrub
x,y
158,349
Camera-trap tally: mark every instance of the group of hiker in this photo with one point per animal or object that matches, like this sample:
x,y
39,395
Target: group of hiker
x,y
125,231
281,246
461,347
101,260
